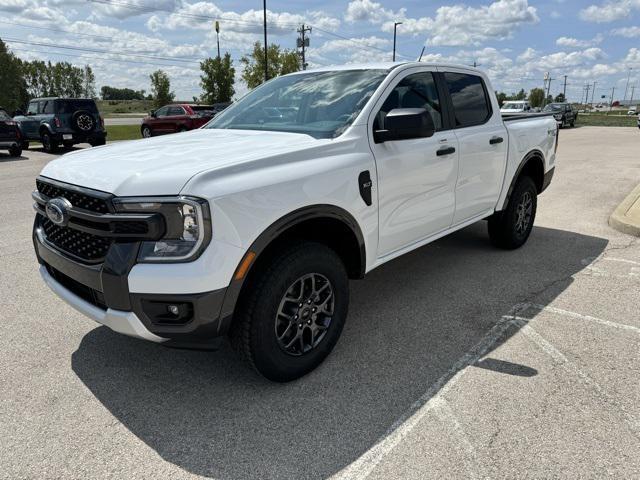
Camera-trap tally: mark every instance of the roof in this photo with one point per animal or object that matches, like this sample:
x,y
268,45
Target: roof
x,y
58,98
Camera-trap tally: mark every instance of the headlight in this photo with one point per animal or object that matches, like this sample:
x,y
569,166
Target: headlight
x,y
188,226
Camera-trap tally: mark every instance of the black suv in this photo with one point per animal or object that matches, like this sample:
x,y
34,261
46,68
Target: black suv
x,y
563,113
10,137
67,121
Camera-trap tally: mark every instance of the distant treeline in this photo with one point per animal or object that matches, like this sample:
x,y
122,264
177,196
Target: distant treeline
x,y
113,93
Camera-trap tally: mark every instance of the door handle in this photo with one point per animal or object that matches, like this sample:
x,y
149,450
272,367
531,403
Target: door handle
x,y
495,140
445,151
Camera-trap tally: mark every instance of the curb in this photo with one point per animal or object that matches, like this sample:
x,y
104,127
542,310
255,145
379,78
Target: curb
x,y
626,217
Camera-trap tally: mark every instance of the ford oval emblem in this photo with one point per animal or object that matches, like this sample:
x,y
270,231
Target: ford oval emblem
x,y
57,210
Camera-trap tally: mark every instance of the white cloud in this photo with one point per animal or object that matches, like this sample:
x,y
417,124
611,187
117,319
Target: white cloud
x,y
460,25
575,43
628,32
609,11
367,10
132,8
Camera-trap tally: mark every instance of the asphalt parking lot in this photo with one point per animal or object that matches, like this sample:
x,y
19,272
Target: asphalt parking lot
x,y
458,360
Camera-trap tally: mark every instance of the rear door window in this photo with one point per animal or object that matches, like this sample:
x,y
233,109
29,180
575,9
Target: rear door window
x,y
48,107
175,111
469,97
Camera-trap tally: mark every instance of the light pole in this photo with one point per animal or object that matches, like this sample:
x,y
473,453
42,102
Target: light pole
x,y
266,67
395,27
218,37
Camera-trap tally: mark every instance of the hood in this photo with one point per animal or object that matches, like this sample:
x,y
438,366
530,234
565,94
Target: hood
x,y
163,165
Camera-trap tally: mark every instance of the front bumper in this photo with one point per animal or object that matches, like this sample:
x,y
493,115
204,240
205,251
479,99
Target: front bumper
x,y
101,292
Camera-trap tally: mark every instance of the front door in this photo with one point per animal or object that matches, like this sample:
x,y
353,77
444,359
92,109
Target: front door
x,y
30,123
416,177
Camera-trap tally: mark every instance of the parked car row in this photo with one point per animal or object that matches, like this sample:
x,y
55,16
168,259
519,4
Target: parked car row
x,y
10,135
179,118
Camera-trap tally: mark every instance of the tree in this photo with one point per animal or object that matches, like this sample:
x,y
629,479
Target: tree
x,y
113,93
89,89
560,98
279,63
521,95
502,97
161,88
13,90
217,79
536,97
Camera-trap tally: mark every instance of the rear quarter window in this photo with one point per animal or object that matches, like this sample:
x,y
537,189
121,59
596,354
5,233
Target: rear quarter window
x,y
469,97
71,106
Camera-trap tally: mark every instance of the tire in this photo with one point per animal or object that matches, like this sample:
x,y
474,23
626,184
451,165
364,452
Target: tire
x,y
67,145
182,129
98,143
268,311
25,145
15,151
510,229
573,123
145,131
49,144
83,122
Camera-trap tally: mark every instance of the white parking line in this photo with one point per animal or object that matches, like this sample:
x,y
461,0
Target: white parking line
x,y
363,466
560,359
588,318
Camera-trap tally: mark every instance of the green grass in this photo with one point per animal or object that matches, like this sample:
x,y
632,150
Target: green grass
x,y
109,107
123,132
602,120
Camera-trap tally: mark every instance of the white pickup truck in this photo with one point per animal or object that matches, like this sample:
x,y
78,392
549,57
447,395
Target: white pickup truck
x,y
252,226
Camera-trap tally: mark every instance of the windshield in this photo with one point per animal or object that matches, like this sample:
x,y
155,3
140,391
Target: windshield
x,y
320,104
513,106
553,107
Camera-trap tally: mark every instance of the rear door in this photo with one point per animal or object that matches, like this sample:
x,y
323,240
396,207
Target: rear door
x,y
482,139
416,177
176,118
30,123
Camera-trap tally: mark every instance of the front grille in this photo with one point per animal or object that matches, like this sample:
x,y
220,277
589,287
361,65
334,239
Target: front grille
x,y
77,198
85,246
88,294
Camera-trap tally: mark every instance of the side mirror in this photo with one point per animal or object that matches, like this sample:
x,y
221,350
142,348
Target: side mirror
x,y
404,124
152,114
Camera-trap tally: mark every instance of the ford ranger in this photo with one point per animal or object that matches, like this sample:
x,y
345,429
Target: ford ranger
x,y
251,227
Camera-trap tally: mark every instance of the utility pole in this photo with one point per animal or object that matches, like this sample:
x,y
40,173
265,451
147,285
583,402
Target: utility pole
x,y
613,89
627,86
633,88
564,89
593,93
303,42
548,88
586,98
266,57
218,37
395,27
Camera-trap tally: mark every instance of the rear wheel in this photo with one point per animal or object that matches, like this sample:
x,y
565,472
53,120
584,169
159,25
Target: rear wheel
x,y
67,145
15,151
510,228
48,143
182,129
293,312
146,131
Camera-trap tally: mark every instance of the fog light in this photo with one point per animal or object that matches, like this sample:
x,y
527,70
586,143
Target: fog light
x,y
173,309
167,313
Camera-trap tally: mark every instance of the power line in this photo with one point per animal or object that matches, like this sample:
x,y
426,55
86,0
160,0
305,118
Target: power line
x,y
95,50
59,30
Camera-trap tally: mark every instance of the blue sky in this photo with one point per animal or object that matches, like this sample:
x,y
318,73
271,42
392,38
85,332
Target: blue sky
x,y
515,41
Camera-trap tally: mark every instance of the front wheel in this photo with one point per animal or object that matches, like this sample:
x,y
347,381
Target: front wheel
x,y
510,228
293,312
146,131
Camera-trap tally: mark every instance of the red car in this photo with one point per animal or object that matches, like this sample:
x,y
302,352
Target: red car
x,y
178,118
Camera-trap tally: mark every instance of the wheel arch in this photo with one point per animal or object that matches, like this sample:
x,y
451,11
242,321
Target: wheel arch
x,y
327,224
531,165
